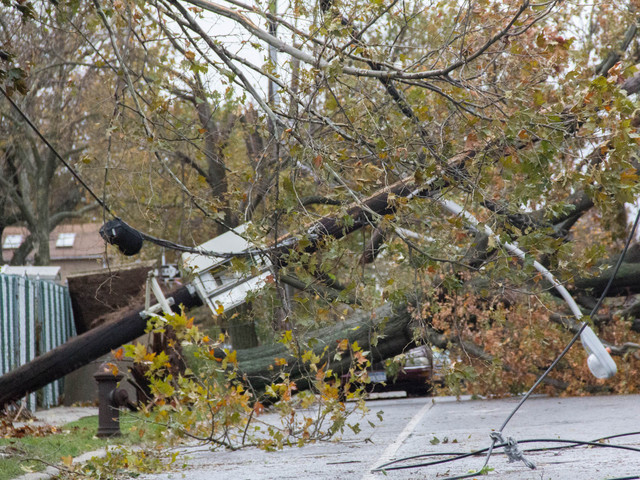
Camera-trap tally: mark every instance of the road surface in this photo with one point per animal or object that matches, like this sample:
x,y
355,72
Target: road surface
x,y
416,426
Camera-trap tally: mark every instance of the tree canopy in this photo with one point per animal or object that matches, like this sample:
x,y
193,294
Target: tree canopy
x,y
356,119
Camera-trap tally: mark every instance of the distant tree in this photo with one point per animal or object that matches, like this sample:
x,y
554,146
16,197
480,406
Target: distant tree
x,y
61,79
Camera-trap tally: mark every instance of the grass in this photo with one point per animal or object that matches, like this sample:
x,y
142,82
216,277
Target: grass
x,y
29,453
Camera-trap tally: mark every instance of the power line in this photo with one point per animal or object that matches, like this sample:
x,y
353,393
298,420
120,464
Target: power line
x,y
489,450
128,232
455,456
55,152
584,325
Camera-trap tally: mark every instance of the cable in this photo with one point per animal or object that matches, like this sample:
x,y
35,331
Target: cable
x,y
457,456
571,342
129,241
130,231
55,152
584,324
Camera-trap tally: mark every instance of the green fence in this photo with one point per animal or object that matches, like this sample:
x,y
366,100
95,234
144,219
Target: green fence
x,y
35,317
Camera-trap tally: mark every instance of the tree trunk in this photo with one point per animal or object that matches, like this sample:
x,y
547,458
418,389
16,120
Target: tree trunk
x,y
389,325
626,282
242,329
243,334
41,233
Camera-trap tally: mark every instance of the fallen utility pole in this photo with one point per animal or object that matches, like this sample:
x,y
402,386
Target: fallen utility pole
x,y
83,349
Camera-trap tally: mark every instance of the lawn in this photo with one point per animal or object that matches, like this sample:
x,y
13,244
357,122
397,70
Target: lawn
x,y
32,453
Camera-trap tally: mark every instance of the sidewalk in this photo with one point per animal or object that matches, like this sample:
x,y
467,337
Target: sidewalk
x,y
60,416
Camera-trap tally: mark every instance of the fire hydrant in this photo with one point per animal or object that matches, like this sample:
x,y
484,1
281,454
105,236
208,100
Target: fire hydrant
x,y
110,398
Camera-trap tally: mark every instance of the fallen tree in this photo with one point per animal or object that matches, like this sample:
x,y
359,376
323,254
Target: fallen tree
x,y
384,333
389,326
626,282
84,348
255,363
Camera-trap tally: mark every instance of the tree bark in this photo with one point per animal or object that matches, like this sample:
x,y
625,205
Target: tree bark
x,y
626,282
365,212
373,247
389,325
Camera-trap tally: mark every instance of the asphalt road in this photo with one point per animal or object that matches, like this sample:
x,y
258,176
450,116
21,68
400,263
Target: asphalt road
x,y
417,426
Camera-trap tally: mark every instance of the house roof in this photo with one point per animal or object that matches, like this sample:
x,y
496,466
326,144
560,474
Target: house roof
x,y
66,242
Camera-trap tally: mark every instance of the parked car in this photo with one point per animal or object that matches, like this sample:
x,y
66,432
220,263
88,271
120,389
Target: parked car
x,y
415,372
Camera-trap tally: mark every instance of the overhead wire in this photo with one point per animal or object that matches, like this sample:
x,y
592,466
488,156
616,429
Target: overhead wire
x,y
55,152
103,204
579,332
494,444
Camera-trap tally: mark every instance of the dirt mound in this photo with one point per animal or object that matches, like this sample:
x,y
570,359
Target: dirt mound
x,y
98,297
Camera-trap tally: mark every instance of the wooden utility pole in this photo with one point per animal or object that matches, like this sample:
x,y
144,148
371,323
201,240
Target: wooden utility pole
x,y
82,349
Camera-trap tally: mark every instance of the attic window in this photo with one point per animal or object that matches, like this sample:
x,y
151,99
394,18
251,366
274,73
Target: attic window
x,y
12,241
65,240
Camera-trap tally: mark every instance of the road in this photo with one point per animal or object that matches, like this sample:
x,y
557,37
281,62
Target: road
x,y
415,426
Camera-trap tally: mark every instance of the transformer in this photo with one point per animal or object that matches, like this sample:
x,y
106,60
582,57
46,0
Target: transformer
x,y
218,284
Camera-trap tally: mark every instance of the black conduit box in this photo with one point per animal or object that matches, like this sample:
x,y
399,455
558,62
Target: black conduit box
x,y
118,233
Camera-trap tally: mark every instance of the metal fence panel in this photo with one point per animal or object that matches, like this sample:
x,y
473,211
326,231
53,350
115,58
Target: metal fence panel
x,y
35,317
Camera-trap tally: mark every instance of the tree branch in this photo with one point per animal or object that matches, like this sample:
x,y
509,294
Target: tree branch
x,y
387,74
59,217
